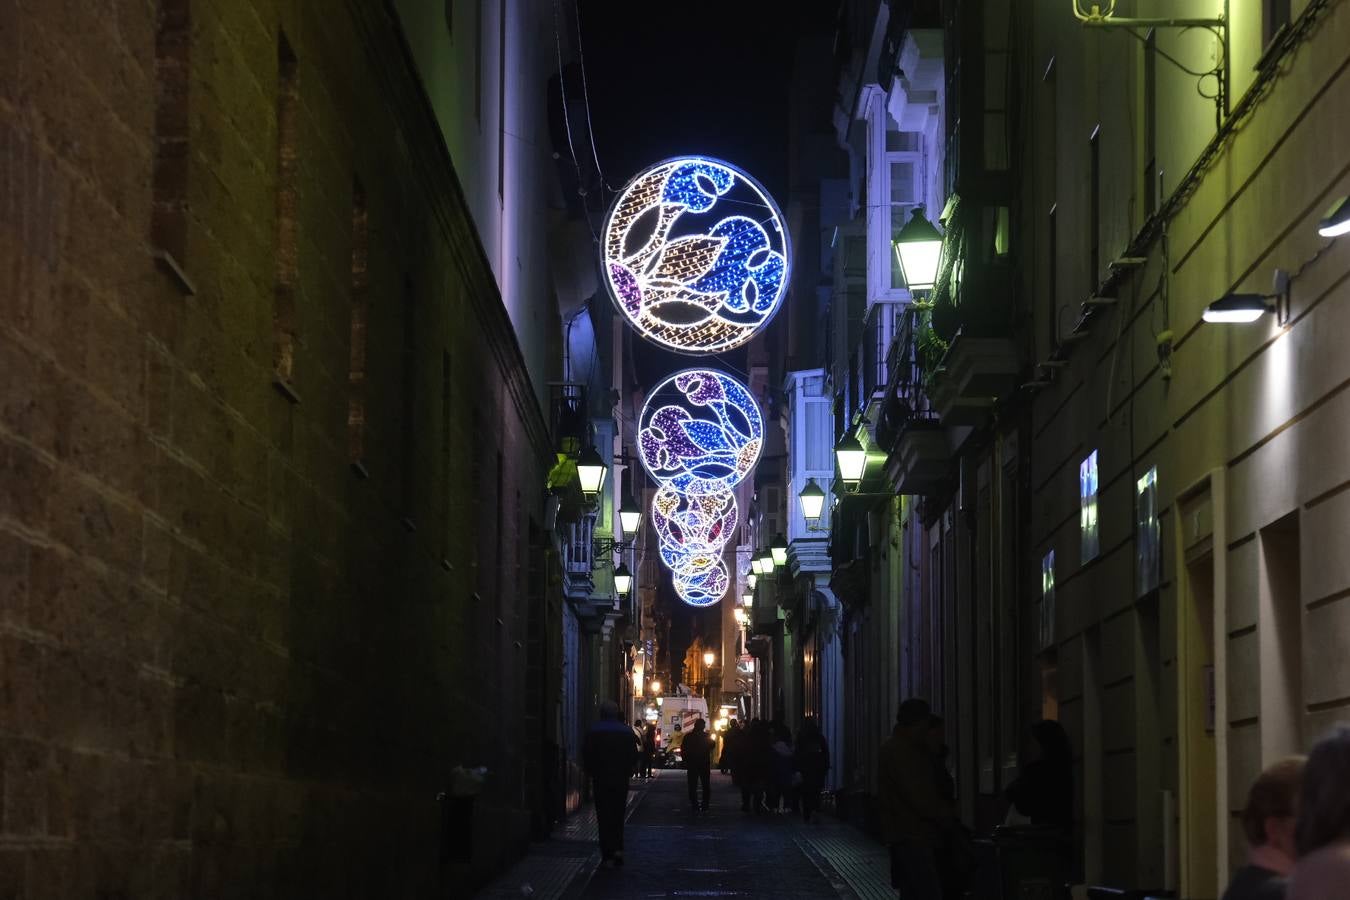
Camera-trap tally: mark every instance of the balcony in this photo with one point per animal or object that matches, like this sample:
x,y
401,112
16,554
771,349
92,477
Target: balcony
x,y
977,371
919,446
577,563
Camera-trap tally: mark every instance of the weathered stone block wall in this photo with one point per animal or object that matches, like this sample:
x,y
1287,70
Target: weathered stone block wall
x,y
229,663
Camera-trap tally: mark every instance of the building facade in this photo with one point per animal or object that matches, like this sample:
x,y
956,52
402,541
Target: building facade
x,y
283,597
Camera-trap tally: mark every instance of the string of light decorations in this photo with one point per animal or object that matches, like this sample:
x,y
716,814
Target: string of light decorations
x,y
699,282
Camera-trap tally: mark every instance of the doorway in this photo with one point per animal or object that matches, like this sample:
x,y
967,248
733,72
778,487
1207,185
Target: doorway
x,y
1196,729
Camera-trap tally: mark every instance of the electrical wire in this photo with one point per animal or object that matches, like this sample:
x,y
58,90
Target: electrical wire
x,y
562,87
586,102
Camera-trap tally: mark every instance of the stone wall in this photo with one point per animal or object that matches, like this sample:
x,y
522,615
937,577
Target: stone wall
x,y
240,648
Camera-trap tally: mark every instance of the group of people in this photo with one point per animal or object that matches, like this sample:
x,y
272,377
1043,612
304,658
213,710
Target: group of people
x,y
932,854
1297,826
773,772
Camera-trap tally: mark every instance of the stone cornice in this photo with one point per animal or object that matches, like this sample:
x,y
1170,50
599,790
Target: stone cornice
x,y
378,25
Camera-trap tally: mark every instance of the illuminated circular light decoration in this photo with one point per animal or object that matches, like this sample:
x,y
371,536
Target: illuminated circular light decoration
x,y
700,432
699,435
695,254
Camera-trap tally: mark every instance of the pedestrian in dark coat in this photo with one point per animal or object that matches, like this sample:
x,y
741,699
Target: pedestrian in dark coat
x,y
752,765
697,750
811,758
609,755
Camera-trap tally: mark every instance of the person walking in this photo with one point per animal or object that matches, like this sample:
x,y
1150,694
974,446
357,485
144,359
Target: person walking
x,y
637,761
1268,824
914,816
779,791
744,772
1323,830
698,747
811,759
608,756
648,749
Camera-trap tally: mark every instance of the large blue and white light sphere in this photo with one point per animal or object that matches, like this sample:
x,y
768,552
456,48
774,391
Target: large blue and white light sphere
x,y
700,432
695,255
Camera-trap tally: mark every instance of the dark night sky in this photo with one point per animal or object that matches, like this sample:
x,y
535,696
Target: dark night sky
x,y
692,77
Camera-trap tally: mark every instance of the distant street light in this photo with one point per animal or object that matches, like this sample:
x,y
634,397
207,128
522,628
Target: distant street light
x,y
751,578
623,579
708,658
778,549
813,501
656,686
630,517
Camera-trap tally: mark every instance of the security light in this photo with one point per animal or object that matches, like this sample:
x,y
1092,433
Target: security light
x,y
1337,220
591,471
813,501
852,459
918,247
778,550
1238,308
623,579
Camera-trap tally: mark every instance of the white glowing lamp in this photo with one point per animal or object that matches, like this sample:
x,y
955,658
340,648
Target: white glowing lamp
x,y
1337,220
623,579
852,459
630,516
813,501
591,471
918,247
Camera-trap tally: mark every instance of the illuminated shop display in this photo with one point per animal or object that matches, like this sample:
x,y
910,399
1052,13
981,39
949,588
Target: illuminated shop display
x,y
695,254
700,432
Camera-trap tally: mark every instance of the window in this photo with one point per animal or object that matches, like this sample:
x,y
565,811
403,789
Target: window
x,y
1150,123
1094,229
1047,629
1148,532
168,216
478,64
501,101
904,182
409,417
284,322
1052,278
1275,16
1087,495
356,366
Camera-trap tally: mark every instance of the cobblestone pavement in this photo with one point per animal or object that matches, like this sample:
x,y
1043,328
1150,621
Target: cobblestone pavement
x,y
672,851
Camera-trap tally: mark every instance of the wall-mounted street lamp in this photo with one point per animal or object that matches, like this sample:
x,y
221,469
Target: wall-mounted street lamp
x,y
709,658
630,517
755,568
751,578
591,471
623,580
747,599
656,686
852,459
812,499
1337,220
918,248
1240,309
741,618
778,550
766,561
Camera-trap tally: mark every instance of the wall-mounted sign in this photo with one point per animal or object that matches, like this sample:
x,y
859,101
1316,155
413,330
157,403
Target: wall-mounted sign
x,y
695,255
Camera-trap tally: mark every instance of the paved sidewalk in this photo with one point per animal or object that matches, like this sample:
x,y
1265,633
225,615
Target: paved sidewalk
x,y
671,851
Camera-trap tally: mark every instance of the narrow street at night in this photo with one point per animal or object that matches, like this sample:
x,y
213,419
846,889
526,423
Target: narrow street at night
x,y
434,432
724,852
